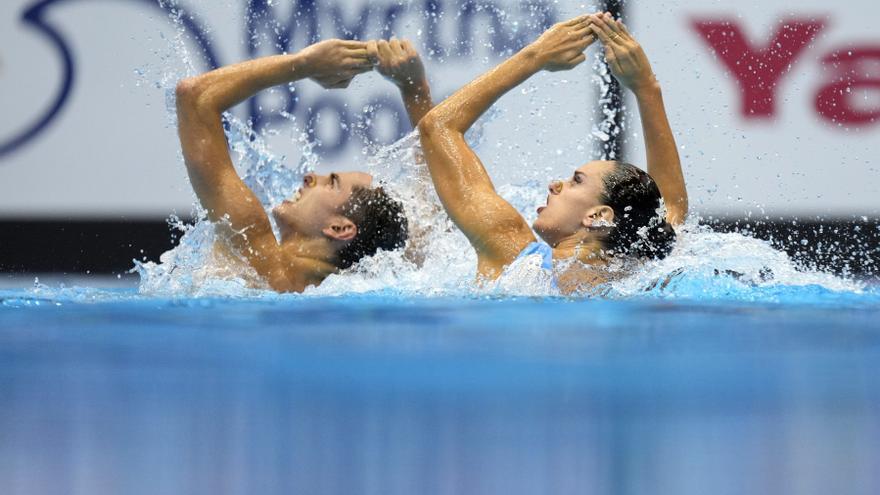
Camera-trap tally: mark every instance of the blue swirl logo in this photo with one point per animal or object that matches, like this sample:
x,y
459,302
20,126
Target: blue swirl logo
x,y
263,19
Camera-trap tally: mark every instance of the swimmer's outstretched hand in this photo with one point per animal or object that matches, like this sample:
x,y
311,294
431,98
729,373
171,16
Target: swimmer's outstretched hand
x,y
626,58
334,63
398,61
562,46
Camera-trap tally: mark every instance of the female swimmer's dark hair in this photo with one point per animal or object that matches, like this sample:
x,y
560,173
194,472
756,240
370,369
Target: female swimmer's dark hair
x,y
640,227
380,221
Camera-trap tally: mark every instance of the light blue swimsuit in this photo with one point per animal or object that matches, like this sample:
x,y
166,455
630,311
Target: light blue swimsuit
x,y
542,248
531,271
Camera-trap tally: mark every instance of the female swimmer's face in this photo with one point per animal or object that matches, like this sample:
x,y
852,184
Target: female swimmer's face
x,y
570,202
318,203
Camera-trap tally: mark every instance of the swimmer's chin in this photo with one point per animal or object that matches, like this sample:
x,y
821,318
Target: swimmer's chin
x,y
538,227
279,213
539,224
280,208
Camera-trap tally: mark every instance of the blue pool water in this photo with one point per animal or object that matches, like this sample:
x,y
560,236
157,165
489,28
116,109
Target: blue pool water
x,y
725,368
109,391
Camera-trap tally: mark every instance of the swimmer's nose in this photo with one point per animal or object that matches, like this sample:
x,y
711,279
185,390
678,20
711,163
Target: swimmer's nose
x,y
555,187
310,180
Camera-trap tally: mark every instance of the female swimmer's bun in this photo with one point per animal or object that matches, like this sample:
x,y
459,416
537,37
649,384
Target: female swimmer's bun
x,y
641,229
656,241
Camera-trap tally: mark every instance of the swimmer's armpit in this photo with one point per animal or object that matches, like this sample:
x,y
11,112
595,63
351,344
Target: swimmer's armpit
x,y
201,101
495,229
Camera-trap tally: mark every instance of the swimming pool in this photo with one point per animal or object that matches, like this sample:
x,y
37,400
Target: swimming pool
x,y
726,367
108,391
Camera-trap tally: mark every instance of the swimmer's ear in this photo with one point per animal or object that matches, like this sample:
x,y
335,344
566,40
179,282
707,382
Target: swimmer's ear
x,y
598,216
341,229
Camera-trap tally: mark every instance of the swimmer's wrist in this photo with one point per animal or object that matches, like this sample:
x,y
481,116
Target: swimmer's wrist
x,y
416,88
648,88
532,56
300,64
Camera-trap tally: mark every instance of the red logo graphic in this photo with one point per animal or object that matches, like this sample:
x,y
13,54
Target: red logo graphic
x,y
759,70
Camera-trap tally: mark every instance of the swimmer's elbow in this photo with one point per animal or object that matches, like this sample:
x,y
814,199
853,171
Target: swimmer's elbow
x,y
434,124
677,214
192,94
187,90
428,125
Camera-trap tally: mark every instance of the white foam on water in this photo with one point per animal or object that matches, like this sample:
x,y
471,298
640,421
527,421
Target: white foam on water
x,y
438,260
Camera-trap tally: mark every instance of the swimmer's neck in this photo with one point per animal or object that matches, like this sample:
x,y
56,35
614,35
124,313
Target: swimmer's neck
x,y
313,258
583,246
586,248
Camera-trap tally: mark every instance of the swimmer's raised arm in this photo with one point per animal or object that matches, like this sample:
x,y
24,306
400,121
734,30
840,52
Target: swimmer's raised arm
x,y
399,62
201,101
495,229
631,67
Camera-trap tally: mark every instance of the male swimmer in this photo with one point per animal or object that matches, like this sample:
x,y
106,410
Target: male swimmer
x,y
333,220
607,209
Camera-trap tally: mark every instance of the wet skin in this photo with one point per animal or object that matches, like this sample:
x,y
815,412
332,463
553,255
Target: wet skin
x,y
572,220
312,225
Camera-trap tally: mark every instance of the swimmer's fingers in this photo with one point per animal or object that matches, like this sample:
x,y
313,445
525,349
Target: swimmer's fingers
x,y
612,48
612,25
581,19
578,60
400,62
586,41
610,56
563,42
624,32
354,66
373,52
581,32
385,53
624,54
409,48
615,33
603,30
359,54
395,45
354,44
582,36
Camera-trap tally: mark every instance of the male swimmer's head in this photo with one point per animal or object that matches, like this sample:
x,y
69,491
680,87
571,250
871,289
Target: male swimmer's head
x,y
616,203
346,210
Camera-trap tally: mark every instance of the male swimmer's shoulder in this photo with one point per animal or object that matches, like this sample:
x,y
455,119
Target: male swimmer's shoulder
x,y
222,263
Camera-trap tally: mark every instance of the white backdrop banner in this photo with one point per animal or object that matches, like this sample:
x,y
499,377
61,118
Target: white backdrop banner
x,y
776,105
775,111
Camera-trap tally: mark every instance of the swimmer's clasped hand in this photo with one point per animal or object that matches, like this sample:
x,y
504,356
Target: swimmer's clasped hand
x,y
562,46
334,63
398,61
625,56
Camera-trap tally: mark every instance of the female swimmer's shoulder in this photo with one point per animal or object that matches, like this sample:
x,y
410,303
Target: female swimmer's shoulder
x,y
578,278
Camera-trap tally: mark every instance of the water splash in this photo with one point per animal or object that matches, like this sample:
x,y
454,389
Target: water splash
x,y
438,260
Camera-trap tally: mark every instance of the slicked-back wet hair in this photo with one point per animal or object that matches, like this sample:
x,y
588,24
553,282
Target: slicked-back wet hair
x,y
640,227
381,224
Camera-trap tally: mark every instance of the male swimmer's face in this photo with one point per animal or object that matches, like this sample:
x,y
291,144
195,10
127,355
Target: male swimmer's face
x,y
569,201
318,202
